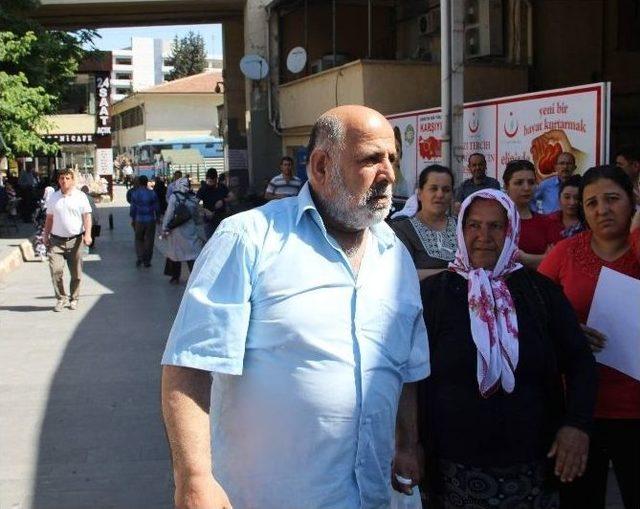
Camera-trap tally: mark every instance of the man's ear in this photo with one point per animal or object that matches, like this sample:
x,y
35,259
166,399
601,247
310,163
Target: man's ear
x,y
319,163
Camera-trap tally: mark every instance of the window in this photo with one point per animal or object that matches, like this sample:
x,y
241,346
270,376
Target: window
x,y
130,118
123,60
123,90
123,75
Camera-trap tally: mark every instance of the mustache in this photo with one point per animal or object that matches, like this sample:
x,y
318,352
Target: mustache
x,y
379,190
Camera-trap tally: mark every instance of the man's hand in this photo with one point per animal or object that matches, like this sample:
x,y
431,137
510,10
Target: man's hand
x,y
86,238
407,463
597,340
200,492
571,449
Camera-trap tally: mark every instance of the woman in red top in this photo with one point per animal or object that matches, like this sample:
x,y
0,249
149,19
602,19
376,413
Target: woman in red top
x,y
519,182
607,201
566,222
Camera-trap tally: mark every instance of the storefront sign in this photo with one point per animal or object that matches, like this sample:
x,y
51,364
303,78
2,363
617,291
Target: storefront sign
x,y
536,126
69,139
104,161
103,98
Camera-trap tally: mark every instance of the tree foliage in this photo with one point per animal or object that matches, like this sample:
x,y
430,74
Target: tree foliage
x,y
188,56
36,67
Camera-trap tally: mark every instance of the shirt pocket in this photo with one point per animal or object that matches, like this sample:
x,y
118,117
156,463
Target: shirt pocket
x,y
389,326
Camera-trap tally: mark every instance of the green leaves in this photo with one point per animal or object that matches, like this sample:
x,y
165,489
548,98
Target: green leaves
x,y
36,66
188,56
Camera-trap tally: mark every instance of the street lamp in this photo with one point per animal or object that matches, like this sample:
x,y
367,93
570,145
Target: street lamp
x,y
219,87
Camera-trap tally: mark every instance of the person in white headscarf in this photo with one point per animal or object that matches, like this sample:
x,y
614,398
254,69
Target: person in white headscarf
x,y
181,227
502,339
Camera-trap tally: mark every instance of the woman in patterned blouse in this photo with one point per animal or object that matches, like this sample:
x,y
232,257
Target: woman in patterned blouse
x,y
430,235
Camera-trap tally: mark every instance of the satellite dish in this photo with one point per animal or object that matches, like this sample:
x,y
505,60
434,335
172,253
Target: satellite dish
x,y
297,59
254,67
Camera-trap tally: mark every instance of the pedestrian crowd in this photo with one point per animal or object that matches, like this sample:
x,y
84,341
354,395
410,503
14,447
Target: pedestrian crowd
x,y
325,357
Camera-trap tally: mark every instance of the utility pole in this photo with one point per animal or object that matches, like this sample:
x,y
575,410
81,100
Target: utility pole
x,y
452,84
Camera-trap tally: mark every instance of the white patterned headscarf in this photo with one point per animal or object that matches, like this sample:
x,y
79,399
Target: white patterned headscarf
x,y
410,208
181,185
494,324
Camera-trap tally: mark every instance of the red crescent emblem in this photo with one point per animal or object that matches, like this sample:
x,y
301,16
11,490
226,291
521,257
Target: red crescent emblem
x,y
511,134
474,125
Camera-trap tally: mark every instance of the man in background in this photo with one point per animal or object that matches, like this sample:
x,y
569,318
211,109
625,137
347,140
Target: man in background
x,y
628,160
477,166
67,229
215,197
144,212
547,196
284,185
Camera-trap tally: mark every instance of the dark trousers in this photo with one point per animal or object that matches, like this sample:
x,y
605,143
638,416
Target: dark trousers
x,y
145,237
174,269
617,440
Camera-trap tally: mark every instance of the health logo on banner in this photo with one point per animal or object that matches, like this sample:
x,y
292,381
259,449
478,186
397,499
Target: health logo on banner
x,y
537,127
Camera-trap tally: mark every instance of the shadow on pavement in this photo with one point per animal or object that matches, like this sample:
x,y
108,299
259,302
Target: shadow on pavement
x,y
102,443
25,309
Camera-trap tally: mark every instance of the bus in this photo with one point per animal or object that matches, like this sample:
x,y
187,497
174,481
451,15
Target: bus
x,y
193,155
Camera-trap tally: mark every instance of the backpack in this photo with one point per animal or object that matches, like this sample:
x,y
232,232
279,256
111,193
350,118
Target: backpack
x,y
181,214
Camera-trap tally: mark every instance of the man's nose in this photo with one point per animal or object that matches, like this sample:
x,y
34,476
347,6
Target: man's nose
x,y
385,172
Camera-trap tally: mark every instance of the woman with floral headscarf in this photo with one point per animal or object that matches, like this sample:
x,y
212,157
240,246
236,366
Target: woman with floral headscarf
x,y
493,421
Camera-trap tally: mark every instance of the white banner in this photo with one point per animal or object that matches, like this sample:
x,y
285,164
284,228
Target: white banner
x,y
104,161
536,126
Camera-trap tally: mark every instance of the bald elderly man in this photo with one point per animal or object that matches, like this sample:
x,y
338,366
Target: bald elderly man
x,y
299,335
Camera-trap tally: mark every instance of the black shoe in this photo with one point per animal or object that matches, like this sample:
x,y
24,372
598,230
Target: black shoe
x,y
147,264
174,281
138,263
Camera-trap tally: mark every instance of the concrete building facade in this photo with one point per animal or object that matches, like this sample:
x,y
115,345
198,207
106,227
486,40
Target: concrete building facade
x,y
144,64
183,108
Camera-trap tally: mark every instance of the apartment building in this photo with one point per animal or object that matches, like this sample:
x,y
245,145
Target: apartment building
x,y
144,64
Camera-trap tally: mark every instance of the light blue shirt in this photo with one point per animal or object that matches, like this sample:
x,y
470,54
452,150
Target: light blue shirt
x,y
322,356
547,196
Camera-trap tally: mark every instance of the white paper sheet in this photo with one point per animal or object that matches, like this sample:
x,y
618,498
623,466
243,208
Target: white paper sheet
x,y
615,311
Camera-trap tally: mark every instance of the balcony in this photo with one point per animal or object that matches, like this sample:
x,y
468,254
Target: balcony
x,y
389,87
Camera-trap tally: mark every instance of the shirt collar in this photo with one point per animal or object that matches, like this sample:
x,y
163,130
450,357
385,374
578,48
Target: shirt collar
x,y
381,231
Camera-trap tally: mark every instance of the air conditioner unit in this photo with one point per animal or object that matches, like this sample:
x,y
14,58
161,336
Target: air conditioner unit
x,y
483,28
429,23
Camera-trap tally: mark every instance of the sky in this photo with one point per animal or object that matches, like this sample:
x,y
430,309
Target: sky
x,y
118,38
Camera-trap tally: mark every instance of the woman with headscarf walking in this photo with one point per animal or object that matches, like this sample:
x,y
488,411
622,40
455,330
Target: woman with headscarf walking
x,y
493,421
181,228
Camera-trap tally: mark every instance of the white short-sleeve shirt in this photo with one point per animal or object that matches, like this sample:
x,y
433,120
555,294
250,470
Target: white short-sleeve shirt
x,y
67,210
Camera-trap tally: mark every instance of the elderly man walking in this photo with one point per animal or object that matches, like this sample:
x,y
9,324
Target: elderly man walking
x,y
300,324
66,229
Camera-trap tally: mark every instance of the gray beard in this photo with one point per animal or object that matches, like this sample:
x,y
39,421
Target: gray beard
x,y
349,210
